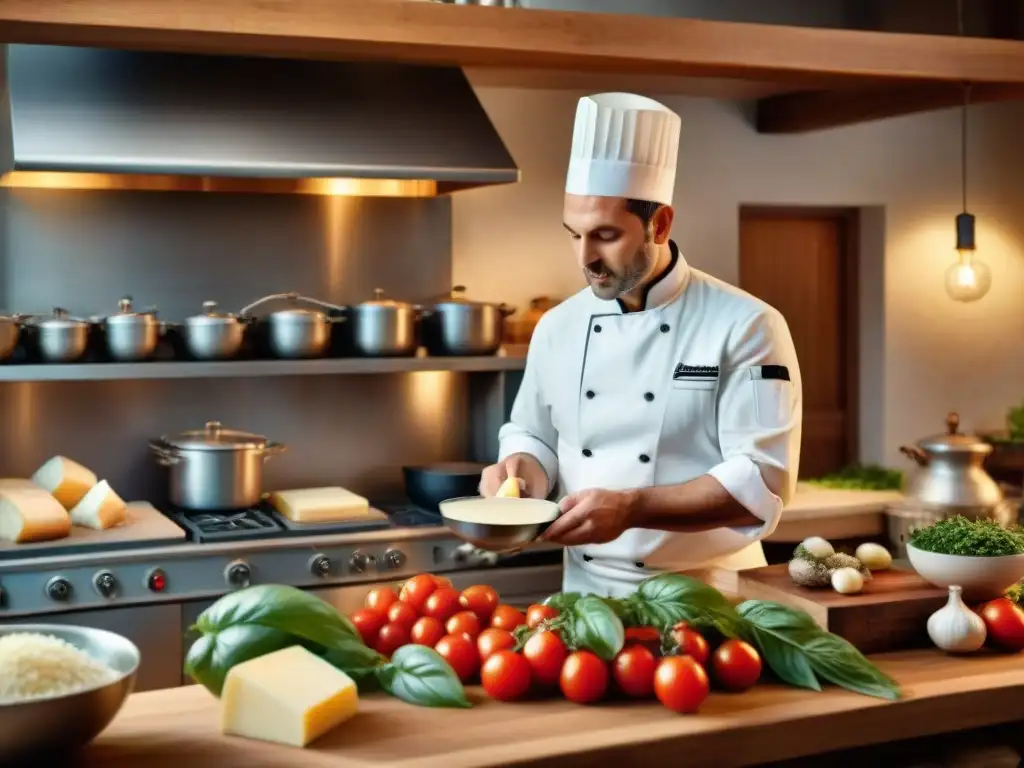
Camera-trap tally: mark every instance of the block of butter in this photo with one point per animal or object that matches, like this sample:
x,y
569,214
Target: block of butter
x,y
320,505
291,696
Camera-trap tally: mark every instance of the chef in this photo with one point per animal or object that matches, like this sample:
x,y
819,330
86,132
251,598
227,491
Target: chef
x,y
663,405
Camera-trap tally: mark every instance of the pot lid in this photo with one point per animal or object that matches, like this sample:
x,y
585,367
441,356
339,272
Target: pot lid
x,y
378,300
210,312
953,441
126,314
457,295
61,319
214,437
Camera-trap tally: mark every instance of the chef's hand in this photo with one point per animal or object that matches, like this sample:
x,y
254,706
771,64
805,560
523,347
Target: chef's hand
x,y
591,517
533,480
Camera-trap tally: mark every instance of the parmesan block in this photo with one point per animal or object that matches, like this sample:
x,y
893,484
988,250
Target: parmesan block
x,y
289,696
320,505
67,480
100,508
509,489
31,514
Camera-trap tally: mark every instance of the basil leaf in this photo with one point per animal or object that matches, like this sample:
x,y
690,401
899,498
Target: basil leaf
x,y
281,607
836,660
418,675
211,656
562,601
830,657
785,659
356,660
663,601
597,628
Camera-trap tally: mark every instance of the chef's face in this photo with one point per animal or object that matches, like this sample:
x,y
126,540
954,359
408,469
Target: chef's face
x,y
614,248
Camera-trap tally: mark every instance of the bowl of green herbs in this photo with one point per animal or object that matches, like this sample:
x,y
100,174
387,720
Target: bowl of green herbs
x,y
981,557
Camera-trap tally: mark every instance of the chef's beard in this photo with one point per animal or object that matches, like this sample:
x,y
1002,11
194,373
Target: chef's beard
x,y
612,285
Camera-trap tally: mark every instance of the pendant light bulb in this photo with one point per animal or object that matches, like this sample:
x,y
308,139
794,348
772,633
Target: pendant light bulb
x,y
969,279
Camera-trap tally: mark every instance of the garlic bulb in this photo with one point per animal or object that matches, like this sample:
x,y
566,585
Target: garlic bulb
x,y
817,547
874,556
955,627
847,581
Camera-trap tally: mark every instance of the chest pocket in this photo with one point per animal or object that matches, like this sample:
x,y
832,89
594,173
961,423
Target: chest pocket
x,y
692,400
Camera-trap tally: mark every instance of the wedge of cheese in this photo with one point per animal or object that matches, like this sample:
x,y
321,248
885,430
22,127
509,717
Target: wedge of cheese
x,y
67,480
509,489
31,514
320,505
100,508
291,696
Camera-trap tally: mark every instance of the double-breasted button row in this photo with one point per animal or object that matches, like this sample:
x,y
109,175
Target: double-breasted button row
x,y
587,453
591,394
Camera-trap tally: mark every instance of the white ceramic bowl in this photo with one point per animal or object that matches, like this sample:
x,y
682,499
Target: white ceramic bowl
x,y
981,578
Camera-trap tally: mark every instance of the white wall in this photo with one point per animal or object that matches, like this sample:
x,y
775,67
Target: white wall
x,y
929,356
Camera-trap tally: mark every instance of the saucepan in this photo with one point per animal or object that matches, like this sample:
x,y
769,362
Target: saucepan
x,y
502,525
429,485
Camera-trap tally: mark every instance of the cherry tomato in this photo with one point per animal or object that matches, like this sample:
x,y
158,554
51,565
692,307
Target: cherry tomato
x,y
480,599
691,643
507,617
390,638
402,613
368,623
649,637
681,684
633,670
1004,621
546,653
461,654
417,589
427,631
442,604
493,640
442,581
736,665
535,614
380,599
584,677
464,623
506,676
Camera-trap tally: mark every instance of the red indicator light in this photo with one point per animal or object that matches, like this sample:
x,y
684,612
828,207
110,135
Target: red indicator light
x,y
157,581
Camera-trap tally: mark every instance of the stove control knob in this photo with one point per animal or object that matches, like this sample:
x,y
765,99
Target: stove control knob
x,y
105,583
395,558
58,589
320,566
237,574
360,561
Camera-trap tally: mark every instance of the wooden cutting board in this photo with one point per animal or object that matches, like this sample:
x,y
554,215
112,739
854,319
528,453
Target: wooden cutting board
x,y
890,614
144,525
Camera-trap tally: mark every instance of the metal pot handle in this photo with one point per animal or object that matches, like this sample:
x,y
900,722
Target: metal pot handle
x,y
506,310
916,454
166,456
273,449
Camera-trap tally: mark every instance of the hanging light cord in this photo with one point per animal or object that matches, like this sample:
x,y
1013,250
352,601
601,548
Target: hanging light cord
x,y
963,112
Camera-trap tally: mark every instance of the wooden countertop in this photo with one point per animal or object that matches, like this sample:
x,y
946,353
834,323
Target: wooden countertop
x,y
179,727
834,513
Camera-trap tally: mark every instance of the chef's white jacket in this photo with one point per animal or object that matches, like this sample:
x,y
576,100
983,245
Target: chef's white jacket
x,y
704,380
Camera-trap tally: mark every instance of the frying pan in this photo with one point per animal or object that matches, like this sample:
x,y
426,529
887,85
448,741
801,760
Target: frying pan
x,y
430,484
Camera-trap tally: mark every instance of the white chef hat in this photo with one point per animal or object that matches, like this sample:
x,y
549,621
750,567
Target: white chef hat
x,y
624,145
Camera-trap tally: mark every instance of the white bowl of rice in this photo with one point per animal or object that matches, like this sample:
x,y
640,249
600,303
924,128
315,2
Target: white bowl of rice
x,y
60,686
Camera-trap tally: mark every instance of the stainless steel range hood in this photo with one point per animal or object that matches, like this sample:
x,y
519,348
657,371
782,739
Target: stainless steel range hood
x,y
159,120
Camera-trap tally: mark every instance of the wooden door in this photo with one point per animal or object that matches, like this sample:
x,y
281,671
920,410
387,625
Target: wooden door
x,y
803,263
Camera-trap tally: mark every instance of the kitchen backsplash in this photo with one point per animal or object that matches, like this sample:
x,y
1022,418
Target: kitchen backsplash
x,y
83,250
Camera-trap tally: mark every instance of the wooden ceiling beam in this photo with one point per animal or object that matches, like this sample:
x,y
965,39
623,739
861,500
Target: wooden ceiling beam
x,y
818,110
525,39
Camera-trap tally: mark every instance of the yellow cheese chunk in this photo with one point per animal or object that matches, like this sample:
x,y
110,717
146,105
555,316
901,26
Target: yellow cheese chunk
x,y
320,505
509,489
289,696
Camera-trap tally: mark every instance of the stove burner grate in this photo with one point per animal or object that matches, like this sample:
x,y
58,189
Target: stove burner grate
x,y
228,525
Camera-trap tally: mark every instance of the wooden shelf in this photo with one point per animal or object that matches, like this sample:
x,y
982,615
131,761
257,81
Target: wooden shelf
x,y
514,360
516,38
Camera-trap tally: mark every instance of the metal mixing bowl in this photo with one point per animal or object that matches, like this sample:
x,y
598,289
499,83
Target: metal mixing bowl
x,y
58,725
498,537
